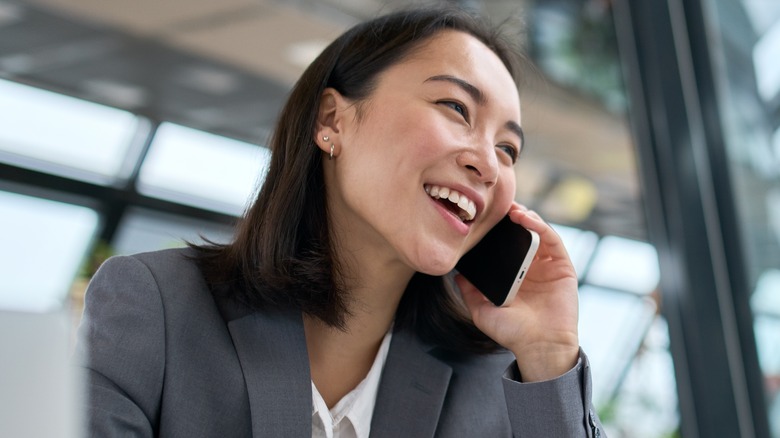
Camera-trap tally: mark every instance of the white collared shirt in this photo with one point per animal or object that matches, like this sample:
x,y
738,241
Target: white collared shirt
x,y
351,417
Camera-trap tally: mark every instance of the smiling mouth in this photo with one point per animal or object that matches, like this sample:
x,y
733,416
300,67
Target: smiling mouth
x,y
458,203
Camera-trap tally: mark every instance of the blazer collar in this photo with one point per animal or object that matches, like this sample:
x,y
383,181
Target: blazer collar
x,y
412,389
271,348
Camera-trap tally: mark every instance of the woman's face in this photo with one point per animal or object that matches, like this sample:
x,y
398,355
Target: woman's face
x,y
425,167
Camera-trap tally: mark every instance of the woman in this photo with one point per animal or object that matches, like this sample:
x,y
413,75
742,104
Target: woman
x,y
330,313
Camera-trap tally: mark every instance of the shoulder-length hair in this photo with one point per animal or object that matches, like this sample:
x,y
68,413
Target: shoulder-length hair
x,y
282,254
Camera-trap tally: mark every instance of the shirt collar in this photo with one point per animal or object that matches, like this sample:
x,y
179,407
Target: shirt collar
x,y
357,406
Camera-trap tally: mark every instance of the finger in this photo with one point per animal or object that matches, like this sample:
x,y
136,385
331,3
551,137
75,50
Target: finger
x,y
474,299
527,218
551,242
517,206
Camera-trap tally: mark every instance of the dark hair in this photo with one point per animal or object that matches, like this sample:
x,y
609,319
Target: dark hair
x,y
282,254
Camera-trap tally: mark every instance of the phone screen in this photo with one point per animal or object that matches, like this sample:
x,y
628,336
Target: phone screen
x,y
498,263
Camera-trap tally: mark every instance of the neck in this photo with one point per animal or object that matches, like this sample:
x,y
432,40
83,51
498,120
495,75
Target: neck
x,y
374,286
373,275
340,359
375,282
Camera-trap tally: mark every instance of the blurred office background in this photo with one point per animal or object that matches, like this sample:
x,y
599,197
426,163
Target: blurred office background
x,y
653,133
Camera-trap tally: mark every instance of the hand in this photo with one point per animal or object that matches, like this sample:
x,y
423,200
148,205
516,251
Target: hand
x,y
540,325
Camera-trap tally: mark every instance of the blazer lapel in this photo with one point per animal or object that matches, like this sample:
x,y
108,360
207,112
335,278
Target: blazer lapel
x,y
411,391
272,351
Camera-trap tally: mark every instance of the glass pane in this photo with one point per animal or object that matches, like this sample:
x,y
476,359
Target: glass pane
x,y
767,328
645,406
202,169
579,244
63,135
580,170
746,49
766,307
625,264
145,230
612,326
766,297
766,52
43,245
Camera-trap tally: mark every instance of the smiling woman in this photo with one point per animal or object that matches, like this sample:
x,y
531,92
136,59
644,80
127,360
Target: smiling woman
x,y
454,137
330,312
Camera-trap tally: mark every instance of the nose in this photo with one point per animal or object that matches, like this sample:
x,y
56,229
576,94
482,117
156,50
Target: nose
x,y
481,162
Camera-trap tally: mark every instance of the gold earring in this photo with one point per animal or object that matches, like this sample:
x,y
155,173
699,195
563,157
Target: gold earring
x,y
332,146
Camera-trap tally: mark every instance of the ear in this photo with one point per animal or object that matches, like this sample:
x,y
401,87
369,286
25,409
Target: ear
x,y
330,119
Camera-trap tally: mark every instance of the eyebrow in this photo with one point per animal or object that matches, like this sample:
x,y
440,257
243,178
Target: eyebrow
x,y
473,91
480,98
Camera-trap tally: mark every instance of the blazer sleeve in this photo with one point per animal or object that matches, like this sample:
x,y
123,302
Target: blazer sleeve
x,y
121,347
560,407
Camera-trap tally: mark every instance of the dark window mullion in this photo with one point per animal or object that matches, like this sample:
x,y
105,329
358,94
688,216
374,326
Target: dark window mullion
x,y
751,399
116,207
103,194
659,42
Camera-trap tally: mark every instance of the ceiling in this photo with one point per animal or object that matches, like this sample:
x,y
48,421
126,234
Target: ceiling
x,y
226,67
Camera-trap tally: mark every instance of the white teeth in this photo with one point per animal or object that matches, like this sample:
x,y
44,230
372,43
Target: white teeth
x,y
463,203
467,206
470,209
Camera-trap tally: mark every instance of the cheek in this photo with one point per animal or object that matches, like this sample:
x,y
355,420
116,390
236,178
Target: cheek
x,y
505,189
503,196
425,145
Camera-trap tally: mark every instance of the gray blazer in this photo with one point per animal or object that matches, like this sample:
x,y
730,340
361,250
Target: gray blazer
x,y
165,357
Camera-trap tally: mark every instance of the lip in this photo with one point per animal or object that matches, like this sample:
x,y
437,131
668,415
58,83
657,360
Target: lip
x,y
460,226
454,221
472,194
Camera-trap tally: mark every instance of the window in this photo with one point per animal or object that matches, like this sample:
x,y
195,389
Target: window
x,y
146,230
41,237
202,169
749,30
63,135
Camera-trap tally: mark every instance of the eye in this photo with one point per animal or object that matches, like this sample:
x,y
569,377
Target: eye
x,y
457,107
510,150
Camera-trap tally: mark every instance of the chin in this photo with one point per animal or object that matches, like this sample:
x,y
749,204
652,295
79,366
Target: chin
x,y
437,267
436,273
433,257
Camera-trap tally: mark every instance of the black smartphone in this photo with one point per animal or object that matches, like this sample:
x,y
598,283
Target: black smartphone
x,y
498,263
